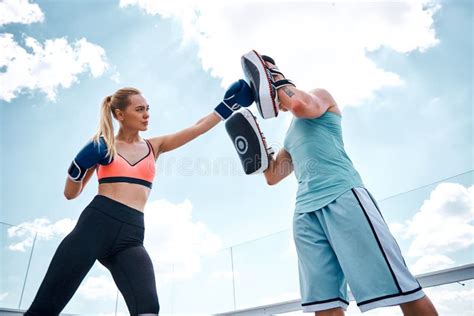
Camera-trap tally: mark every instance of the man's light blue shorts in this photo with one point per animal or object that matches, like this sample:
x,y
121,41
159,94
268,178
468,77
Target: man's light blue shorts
x,y
349,240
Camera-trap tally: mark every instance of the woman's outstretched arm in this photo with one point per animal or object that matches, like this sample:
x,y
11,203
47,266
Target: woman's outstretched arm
x,y
172,141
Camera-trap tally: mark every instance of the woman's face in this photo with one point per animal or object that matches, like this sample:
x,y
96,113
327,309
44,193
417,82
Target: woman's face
x,y
136,113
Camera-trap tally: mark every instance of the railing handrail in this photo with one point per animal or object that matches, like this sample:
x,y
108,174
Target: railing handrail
x,y
430,279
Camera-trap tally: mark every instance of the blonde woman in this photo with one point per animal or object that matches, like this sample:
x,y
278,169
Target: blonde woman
x,y
111,227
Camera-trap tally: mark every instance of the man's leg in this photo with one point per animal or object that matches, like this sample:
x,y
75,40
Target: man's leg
x,y
422,306
322,284
368,253
331,312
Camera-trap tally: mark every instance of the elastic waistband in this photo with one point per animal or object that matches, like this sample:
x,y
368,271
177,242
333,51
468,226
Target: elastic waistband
x,y
118,210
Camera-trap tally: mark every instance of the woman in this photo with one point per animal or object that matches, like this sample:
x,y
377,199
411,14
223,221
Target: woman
x,y
111,227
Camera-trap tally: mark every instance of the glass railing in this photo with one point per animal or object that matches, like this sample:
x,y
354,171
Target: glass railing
x,y
432,224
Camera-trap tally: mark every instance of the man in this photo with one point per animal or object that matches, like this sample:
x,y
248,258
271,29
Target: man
x,y
339,232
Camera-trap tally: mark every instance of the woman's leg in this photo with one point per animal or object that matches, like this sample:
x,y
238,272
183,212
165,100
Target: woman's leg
x,y
133,273
89,240
70,264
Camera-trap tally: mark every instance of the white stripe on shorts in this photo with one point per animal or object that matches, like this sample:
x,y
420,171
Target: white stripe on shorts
x,y
392,301
403,279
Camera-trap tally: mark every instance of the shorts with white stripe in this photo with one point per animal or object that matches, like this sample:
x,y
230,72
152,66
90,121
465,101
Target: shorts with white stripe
x,y
349,240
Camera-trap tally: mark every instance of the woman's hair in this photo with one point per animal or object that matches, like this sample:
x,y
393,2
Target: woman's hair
x,y
119,100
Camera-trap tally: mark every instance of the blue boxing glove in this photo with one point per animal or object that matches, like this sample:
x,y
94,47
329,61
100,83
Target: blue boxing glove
x,y
239,94
94,152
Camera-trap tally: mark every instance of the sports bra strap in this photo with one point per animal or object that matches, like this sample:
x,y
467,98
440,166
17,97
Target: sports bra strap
x,y
151,147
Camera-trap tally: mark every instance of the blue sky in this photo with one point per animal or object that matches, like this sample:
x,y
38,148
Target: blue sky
x,y
402,71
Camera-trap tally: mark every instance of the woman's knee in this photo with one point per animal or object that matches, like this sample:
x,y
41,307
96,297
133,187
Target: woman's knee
x,y
152,309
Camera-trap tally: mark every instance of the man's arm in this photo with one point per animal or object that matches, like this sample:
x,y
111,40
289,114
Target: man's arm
x,y
303,104
279,168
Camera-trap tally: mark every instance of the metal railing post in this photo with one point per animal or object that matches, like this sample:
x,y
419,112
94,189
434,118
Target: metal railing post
x,y
27,270
233,276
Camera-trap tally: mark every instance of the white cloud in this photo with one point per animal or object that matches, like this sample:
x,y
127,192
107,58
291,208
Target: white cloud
x,y
444,221
175,241
101,287
26,232
452,299
443,225
316,43
396,228
115,77
431,263
19,11
46,66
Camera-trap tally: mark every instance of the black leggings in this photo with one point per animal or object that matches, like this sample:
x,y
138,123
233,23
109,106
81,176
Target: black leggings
x,y
112,233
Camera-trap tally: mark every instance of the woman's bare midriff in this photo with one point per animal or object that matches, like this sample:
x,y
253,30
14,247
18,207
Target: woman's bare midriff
x,y
132,195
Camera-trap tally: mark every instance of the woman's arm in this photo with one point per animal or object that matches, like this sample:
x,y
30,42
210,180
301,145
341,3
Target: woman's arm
x,y
169,142
279,168
237,95
73,189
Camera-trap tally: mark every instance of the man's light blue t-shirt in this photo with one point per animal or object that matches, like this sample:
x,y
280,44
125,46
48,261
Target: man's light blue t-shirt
x,y
322,167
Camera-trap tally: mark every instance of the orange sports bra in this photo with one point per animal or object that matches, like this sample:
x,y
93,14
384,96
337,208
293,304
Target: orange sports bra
x,y
120,170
